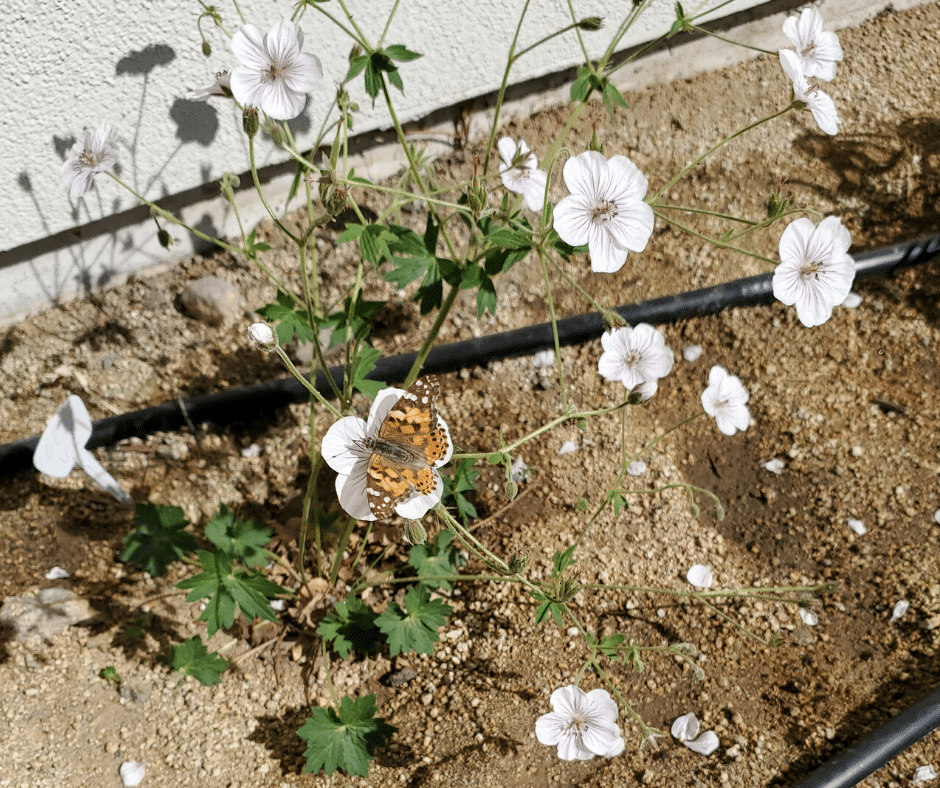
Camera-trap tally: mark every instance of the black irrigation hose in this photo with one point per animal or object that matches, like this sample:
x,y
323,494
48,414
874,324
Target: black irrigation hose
x,y
846,769
224,407
861,759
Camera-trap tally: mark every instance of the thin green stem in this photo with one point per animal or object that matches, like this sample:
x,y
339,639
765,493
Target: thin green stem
x,y
362,36
686,170
306,383
388,24
715,241
340,549
730,41
264,202
554,321
509,448
431,336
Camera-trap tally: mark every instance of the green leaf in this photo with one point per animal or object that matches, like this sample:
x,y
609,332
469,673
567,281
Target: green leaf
x,y
608,646
192,658
158,538
463,480
580,88
351,233
291,319
561,561
356,66
619,502
401,53
373,80
228,590
241,540
350,626
344,738
395,78
364,363
471,277
413,628
437,559
612,98
109,673
486,297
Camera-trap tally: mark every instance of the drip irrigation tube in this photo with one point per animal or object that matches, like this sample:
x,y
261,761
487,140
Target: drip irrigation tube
x,y
846,769
224,407
854,764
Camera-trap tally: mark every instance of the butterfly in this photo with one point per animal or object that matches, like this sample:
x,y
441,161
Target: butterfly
x,y
410,441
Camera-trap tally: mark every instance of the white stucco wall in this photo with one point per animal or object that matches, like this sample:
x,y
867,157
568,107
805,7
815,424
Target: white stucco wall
x,y
69,64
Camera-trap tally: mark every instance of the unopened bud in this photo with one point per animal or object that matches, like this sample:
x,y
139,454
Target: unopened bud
x,y
511,489
595,143
206,48
415,532
275,132
591,23
518,562
262,334
777,205
250,121
163,237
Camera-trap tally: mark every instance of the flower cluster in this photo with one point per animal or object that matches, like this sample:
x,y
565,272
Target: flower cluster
x,y
816,55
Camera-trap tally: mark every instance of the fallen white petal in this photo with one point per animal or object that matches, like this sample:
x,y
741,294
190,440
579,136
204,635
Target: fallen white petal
x,y
56,573
705,744
936,516
775,465
692,353
858,526
685,727
700,576
68,431
568,447
101,477
900,608
809,617
852,301
277,605
132,773
544,358
636,468
923,773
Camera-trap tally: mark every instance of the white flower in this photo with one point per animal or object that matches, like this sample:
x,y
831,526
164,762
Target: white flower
x,y
96,153
637,357
221,87
262,334
345,452
818,103
700,576
725,400
605,209
543,359
520,174
815,271
582,724
275,75
819,50
519,471
686,728
62,447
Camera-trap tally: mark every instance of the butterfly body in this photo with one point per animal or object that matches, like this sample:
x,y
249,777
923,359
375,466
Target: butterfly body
x,y
410,442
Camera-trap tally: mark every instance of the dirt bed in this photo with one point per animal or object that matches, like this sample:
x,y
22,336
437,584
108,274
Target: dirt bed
x,y
851,407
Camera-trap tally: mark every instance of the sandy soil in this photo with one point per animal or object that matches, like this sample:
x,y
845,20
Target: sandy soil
x,y
851,407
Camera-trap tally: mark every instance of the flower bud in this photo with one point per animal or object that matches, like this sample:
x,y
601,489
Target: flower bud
x,y
595,143
275,132
511,489
163,238
415,533
519,561
777,205
262,334
250,121
591,23
206,48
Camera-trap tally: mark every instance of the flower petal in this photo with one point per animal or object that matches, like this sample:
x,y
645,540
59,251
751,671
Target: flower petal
x,y
342,445
685,727
705,744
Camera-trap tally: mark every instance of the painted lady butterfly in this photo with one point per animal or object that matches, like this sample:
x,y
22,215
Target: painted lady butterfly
x,y
409,443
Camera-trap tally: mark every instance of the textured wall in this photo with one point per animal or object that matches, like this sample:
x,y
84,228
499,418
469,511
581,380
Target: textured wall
x,y
69,64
